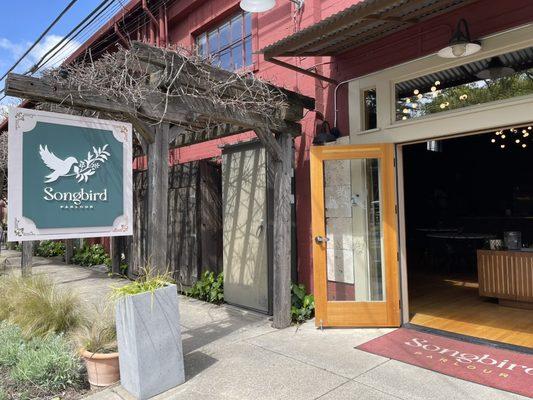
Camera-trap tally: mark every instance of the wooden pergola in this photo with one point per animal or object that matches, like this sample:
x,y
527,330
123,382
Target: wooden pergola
x,y
162,123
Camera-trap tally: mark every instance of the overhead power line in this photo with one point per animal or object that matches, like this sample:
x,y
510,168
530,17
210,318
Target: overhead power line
x,y
56,20
68,38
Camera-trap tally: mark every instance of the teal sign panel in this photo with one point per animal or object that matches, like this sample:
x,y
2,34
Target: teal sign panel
x,y
72,176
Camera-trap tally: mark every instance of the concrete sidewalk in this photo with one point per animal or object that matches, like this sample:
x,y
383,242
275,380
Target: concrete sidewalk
x,y
235,354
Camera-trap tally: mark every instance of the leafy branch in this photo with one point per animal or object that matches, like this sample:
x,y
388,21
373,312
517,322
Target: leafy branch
x,y
88,167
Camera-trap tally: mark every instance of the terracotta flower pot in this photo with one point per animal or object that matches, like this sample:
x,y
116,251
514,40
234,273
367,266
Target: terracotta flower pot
x,y
102,369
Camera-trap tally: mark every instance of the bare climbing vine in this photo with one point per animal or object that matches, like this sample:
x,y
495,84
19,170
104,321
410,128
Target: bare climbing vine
x,y
127,79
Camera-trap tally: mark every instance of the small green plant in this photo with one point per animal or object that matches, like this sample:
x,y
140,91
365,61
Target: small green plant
x,y
87,256
17,246
48,248
48,363
3,394
11,344
208,288
149,281
38,306
303,305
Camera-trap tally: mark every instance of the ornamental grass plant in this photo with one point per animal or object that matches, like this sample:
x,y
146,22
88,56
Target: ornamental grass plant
x,y
99,333
149,281
38,306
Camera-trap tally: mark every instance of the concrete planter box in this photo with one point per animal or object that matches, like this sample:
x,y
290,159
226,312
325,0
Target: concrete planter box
x,y
149,342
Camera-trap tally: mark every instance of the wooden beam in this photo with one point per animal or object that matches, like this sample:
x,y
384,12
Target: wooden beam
x,y
69,250
282,234
146,131
26,261
175,110
163,59
269,141
157,192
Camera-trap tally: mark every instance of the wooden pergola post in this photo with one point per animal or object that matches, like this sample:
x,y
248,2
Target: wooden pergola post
x,y
69,250
26,262
157,198
282,234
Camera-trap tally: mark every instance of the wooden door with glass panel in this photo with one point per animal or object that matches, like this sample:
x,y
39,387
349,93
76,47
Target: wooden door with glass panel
x,y
356,276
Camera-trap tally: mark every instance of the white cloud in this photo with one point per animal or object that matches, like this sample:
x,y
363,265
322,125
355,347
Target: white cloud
x,y
15,50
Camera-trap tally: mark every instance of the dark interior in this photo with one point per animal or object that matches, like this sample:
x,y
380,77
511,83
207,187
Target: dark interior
x,y
470,187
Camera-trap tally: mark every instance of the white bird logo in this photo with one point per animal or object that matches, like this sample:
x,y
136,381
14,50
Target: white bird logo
x,y
82,170
58,166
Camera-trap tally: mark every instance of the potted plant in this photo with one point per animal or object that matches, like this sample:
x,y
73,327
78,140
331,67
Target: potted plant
x,y
97,340
149,335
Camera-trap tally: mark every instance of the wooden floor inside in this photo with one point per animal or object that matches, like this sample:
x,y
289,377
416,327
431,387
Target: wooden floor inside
x,y
453,304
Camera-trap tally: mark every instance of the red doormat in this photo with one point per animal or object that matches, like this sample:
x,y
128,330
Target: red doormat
x,y
497,368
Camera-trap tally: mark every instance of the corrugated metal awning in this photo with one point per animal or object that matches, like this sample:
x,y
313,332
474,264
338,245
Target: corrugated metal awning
x,y
361,23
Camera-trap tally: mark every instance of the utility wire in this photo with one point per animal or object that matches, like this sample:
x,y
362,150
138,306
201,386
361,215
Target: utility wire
x,y
56,20
96,10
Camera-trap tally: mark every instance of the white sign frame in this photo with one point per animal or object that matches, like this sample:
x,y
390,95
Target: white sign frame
x,y
20,228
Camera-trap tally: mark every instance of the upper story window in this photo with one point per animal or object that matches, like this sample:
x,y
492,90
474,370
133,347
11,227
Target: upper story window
x,y
230,43
496,78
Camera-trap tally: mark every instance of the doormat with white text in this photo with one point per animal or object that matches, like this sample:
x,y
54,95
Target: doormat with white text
x,y
498,368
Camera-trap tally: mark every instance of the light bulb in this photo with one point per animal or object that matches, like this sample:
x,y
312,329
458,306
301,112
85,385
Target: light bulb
x,y
408,100
405,111
526,134
502,146
517,141
493,140
459,49
437,83
433,88
524,145
420,95
503,136
404,117
416,91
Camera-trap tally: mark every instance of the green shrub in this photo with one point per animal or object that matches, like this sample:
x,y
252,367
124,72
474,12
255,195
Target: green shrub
x,y
11,344
303,305
48,248
39,307
88,256
48,363
209,288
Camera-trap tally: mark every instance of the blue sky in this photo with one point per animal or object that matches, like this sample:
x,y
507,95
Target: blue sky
x,y
24,20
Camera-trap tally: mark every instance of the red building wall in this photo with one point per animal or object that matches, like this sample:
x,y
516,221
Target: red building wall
x,y
188,18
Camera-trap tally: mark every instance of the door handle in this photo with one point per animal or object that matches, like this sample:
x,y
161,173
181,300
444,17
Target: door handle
x,y
321,239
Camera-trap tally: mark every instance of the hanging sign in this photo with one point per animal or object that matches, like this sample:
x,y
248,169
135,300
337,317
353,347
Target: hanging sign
x,y
68,176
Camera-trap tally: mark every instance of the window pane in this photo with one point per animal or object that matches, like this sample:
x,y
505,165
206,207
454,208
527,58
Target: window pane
x,y
224,32
236,29
225,60
369,109
354,230
248,52
236,52
213,42
247,24
201,43
497,78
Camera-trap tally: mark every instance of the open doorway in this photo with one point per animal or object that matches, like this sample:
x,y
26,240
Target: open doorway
x,y
469,234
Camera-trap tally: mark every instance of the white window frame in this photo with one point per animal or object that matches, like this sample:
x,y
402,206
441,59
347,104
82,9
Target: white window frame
x,y
496,114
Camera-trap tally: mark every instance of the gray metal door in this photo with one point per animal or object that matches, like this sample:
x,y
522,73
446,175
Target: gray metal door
x,y
245,237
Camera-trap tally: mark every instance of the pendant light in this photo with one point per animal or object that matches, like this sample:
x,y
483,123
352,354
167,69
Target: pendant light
x,y
495,69
460,44
256,6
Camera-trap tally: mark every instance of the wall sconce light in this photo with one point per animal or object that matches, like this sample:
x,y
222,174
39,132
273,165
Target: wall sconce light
x,y
460,44
257,6
495,69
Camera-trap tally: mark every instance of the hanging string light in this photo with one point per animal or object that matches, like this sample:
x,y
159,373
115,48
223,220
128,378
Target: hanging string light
x,y
512,136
